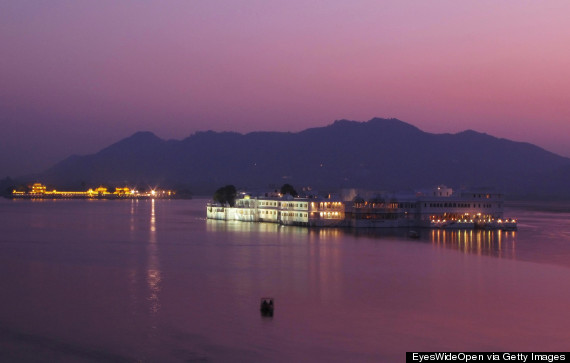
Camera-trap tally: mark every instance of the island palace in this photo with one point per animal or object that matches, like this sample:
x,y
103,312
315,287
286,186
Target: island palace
x,y
440,207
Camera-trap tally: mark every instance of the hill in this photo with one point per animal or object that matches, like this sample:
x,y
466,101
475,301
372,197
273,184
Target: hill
x,y
381,154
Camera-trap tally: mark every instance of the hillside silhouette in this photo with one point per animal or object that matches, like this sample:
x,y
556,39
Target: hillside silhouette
x,y
380,154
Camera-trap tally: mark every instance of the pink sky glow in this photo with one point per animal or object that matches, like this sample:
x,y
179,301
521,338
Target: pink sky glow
x,y
77,76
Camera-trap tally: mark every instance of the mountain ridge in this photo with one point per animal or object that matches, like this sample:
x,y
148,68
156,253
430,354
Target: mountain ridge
x,y
386,154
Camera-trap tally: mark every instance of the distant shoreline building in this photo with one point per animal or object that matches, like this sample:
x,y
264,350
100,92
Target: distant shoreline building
x,y
40,191
436,208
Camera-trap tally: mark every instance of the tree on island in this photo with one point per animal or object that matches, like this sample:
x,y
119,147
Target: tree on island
x,y
288,189
7,185
225,195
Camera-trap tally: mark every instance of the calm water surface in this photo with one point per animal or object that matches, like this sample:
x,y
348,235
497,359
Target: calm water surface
x,y
154,281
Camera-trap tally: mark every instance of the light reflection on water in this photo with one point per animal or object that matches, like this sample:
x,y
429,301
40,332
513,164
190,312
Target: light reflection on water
x,y
541,237
480,242
495,243
247,227
153,270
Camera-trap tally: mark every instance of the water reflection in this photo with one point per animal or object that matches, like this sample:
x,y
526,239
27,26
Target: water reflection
x,y
324,264
144,273
152,222
480,242
132,219
133,271
326,233
213,225
296,259
153,266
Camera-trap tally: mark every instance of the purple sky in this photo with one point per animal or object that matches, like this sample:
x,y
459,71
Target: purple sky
x,y
76,76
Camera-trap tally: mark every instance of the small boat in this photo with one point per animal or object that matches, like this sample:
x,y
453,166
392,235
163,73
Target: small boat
x,y
266,306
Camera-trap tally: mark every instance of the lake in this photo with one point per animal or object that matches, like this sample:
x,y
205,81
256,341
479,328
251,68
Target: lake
x,y
154,281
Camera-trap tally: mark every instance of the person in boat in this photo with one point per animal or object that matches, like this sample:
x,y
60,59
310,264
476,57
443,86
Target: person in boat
x,y
266,306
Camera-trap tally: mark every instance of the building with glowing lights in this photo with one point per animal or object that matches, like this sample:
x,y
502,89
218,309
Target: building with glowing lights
x,y
40,191
440,207
284,210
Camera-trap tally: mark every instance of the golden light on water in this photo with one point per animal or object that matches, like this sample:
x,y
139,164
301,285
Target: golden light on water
x,y
153,275
152,222
481,242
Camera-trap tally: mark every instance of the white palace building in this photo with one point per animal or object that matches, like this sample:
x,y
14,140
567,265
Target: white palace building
x,y
440,207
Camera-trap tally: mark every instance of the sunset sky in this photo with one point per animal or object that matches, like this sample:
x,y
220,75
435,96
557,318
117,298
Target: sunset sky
x,y
77,76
